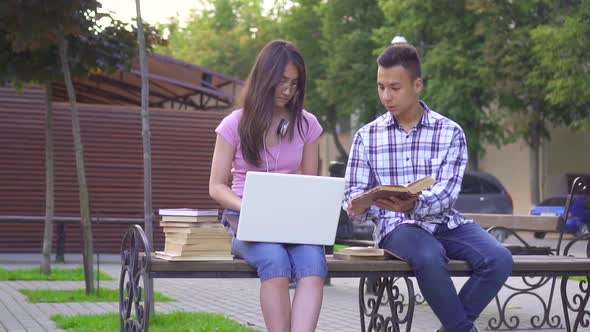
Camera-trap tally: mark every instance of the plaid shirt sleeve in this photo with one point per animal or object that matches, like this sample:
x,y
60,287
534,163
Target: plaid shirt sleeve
x,y
359,177
444,193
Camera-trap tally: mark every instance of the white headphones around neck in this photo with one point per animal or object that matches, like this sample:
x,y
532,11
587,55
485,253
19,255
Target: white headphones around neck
x,y
281,131
283,127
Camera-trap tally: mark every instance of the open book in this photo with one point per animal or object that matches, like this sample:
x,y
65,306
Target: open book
x,y
364,253
400,191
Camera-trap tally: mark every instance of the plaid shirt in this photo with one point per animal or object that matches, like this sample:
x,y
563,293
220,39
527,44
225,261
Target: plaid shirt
x,y
383,153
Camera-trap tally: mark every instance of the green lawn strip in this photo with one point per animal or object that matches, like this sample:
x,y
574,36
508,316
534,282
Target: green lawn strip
x,y
79,295
75,274
176,321
338,247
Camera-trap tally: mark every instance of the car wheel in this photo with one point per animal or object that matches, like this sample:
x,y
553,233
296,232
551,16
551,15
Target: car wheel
x,y
500,234
584,228
539,235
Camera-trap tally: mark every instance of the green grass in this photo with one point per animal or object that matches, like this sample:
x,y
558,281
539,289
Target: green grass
x,y
338,247
75,274
177,321
79,295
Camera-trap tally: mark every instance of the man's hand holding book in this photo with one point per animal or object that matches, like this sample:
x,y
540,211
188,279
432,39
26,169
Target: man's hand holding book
x,y
398,198
393,203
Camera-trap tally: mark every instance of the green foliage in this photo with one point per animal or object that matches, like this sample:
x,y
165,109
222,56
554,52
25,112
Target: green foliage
x,y
97,42
537,48
176,321
482,60
226,36
338,247
334,37
78,295
350,77
458,81
75,274
561,50
302,25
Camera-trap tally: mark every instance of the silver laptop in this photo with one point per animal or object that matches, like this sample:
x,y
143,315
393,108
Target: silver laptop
x,y
290,208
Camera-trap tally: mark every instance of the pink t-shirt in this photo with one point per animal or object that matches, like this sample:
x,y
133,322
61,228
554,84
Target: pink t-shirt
x,y
284,157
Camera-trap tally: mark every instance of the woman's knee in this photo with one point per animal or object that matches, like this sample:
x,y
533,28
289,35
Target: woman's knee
x,y
308,260
270,259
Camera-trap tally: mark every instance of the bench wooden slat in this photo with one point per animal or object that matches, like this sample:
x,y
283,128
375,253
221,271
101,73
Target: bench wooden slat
x,y
517,222
522,263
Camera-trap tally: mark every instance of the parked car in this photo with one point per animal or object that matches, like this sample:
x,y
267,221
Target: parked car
x,y
482,192
578,218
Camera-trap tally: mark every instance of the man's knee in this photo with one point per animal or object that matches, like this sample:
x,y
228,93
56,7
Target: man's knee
x,y
502,262
428,260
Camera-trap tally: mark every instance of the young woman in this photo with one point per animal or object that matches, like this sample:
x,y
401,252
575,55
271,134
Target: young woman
x,y
272,133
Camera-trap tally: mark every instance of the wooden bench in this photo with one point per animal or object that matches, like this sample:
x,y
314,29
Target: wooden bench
x,y
138,271
392,275
501,226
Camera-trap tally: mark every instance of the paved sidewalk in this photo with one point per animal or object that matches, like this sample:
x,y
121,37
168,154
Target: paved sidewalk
x,y
237,298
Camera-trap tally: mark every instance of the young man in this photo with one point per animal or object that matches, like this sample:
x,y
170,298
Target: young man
x,y
408,142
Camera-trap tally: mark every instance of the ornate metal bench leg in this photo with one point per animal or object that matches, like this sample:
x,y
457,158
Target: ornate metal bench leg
x,y
580,301
386,292
134,305
531,284
397,307
578,305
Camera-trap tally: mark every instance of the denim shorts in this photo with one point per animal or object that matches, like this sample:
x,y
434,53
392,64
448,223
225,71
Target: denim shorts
x,y
272,260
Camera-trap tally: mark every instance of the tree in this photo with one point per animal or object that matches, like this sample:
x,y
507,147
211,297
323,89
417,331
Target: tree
x,y
19,68
457,79
147,148
226,36
302,25
334,37
561,48
39,35
524,86
349,82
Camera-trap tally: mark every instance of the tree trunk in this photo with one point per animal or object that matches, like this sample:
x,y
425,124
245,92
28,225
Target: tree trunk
x,y
147,148
49,184
332,127
535,145
85,218
474,152
473,162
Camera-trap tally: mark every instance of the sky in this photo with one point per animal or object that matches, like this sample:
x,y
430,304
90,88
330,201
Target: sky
x,y
152,11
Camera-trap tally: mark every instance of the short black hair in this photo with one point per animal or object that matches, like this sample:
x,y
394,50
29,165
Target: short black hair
x,y
404,55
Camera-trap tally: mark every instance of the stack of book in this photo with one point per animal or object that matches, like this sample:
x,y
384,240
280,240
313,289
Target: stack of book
x,y
194,235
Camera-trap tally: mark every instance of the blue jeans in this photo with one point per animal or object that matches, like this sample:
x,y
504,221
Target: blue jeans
x,y
293,261
429,254
271,260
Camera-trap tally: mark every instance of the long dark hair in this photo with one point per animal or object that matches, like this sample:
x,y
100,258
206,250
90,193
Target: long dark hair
x,y
259,96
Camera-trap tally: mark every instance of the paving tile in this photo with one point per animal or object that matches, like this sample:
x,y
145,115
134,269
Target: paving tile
x,y
236,298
